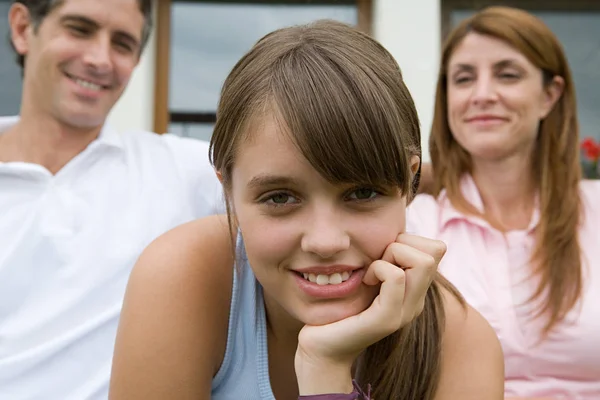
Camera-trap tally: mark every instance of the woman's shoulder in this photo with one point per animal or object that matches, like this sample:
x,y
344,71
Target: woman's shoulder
x,y
590,192
422,215
424,200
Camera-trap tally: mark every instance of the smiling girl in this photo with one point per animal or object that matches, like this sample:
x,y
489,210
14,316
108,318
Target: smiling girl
x,y
311,281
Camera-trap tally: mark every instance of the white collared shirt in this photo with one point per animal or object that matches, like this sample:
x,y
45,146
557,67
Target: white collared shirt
x,y
68,243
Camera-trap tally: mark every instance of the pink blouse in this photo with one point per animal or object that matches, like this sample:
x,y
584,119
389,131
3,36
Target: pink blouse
x,y
491,269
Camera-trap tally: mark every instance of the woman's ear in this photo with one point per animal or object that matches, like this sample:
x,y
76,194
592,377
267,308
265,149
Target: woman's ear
x,y
552,93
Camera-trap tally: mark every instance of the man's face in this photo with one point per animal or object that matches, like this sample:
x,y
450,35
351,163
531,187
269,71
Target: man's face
x,y
80,59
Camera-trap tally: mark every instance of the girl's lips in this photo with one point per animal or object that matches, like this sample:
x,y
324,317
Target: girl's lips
x,y
330,291
328,270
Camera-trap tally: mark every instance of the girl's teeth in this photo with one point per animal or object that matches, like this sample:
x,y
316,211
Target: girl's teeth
x,y
322,280
333,279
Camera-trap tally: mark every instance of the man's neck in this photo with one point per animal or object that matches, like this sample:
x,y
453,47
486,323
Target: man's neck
x,y
44,141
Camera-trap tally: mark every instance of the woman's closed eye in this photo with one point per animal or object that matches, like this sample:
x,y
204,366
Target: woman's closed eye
x,y
509,76
462,79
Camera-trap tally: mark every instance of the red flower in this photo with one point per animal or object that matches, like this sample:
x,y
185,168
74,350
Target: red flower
x,y
591,149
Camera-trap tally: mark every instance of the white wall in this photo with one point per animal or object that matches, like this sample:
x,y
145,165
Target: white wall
x,y
135,109
409,29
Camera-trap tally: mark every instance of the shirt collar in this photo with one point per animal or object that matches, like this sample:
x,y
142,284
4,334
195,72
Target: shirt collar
x,y
471,194
7,122
108,137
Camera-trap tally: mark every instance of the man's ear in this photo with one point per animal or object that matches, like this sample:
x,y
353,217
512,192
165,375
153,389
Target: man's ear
x,y
20,24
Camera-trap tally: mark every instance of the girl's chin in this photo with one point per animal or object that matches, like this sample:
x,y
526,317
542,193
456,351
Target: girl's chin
x,y
324,315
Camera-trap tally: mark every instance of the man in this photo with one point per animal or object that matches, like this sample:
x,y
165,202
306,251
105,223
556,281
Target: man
x,y
80,201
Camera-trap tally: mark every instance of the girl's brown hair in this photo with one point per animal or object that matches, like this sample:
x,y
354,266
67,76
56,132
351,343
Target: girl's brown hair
x,y
340,96
556,259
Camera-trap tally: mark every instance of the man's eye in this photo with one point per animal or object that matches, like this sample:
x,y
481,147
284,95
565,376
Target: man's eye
x,y
79,30
124,46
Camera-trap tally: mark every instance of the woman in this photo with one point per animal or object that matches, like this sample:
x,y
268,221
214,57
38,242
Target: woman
x,y
317,147
521,226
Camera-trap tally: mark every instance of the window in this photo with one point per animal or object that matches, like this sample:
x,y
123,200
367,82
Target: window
x,y
206,40
10,74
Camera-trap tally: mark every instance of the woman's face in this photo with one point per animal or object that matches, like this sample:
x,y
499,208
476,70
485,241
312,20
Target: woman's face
x,y
496,98
309,241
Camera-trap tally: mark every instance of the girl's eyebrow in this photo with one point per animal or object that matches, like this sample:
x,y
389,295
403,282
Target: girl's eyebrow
x,y
272,180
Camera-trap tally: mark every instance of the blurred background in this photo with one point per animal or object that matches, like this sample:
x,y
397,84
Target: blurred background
x,y
196,43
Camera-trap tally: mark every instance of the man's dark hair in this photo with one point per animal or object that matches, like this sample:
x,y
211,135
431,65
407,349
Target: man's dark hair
x,y
39,9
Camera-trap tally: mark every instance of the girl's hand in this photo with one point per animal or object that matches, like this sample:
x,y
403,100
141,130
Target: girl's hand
x,y
326,353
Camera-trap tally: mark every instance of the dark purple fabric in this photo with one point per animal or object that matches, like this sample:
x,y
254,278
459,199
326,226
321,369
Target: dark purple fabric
x,y
332,396
357,394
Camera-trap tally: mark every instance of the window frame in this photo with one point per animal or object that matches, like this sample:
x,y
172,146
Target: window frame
x,y
447,6
162,115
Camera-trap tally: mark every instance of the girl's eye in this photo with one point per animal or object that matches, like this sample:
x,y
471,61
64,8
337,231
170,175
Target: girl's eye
x,y
363,194
280,199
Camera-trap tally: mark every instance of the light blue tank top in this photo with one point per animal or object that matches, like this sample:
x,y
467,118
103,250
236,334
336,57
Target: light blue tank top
x,y
244,373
